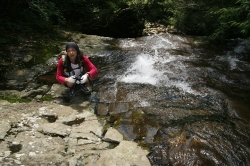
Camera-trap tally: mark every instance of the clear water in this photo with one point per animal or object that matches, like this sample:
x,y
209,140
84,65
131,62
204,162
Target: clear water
x,y
187,103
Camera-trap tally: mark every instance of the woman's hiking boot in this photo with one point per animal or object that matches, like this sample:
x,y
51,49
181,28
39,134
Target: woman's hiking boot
x,y
84,89
72,91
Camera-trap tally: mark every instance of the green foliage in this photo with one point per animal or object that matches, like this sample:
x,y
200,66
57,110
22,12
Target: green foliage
x,y
234,21
243,22
219,19
138,2
14,99
21,20
47,97
160,11
30,13
44,10
100,17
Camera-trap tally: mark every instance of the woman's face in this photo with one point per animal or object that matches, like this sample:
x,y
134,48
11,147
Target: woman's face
x,y
71,52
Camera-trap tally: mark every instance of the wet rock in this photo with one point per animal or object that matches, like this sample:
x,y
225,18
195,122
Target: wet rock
x,y
102,109
91,44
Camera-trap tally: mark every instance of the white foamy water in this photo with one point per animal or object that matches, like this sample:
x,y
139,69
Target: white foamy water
x,y
142,71
163,43
242,47
130,43
156,65
232,60
157,69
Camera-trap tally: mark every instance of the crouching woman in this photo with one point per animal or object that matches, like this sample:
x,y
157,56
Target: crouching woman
x,y
75,70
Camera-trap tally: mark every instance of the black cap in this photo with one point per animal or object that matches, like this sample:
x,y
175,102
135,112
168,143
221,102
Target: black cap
x,y
72,45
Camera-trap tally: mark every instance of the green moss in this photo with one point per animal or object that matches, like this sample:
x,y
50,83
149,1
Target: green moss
x,y
44,50
47,97
138,116
15,99
115,120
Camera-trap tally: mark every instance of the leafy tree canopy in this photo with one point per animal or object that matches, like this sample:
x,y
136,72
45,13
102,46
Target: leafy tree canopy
x,y
218,19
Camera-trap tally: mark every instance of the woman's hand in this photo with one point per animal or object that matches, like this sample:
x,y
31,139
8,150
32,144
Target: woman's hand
x,y
70,81
84,79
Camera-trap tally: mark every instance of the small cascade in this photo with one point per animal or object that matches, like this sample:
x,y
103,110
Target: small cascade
x,y
187,103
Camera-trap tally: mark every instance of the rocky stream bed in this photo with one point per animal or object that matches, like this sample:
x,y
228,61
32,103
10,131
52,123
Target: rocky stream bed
x,y
61,130
163,99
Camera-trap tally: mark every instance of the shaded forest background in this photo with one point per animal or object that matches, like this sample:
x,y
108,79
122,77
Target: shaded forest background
x,y
31,31
23,20
217,19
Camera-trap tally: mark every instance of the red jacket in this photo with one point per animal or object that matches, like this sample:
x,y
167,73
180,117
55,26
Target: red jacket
x,y
87,65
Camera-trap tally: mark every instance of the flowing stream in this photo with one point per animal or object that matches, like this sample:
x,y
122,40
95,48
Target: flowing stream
x,y
187,102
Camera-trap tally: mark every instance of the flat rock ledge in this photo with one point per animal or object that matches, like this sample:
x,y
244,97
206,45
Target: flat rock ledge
x,y
48,133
